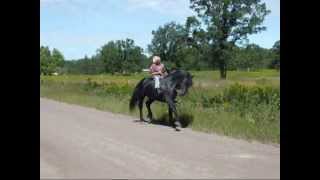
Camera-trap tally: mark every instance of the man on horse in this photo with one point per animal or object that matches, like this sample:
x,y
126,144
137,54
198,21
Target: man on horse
x,y
157,70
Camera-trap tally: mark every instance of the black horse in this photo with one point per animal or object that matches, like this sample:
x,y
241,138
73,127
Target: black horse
x,y
177,82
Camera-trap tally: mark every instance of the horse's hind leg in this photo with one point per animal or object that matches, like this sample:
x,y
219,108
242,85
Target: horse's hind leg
x,y
140,109
170,117
148,104
177,123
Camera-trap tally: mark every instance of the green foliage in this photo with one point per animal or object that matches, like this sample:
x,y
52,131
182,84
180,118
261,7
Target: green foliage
x,y
93,65
181,46
45,55
108,88
247,105
228,22
167,42
244,95
121,56
57,57
252,57
50,62
276,52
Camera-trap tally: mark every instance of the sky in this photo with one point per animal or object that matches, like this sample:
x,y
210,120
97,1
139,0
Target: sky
x,y
80,27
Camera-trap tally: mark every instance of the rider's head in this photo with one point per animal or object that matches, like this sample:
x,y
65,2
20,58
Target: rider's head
x,y
156,60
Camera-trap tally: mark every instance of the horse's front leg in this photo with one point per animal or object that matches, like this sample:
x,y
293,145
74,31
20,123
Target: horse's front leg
x,y
148,104
172,108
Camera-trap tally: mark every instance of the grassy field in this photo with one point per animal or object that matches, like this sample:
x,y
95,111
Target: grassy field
x,y
245,106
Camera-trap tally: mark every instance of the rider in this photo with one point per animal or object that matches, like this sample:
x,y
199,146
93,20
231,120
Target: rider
x,y
157,70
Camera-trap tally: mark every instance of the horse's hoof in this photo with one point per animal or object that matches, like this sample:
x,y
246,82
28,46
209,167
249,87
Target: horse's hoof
x,y
177,124
149,120
177,129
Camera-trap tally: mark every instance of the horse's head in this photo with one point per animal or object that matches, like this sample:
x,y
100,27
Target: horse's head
x,y
183,81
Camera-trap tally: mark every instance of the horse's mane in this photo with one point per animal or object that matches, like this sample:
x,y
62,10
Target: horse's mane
x,y
173,72
178,73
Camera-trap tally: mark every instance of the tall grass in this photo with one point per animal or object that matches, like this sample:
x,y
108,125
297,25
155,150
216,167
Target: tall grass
x,y
246,106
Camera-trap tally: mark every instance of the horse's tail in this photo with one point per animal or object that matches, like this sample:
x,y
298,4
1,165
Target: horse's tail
x,y
136,95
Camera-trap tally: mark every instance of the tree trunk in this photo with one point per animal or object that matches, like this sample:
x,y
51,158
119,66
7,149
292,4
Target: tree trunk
x,y
222,57
222,64
224,74
223,71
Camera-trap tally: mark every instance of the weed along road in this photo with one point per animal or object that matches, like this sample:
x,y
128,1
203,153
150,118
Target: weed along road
x,y
79,142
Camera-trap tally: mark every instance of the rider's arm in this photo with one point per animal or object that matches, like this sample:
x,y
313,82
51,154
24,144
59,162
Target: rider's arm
x,y
151,70
157,73
154,72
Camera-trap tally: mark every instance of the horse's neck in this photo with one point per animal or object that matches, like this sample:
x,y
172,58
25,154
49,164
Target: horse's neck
x,y
170,82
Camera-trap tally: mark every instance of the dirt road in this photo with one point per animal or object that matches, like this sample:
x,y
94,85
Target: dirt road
x,y
79,142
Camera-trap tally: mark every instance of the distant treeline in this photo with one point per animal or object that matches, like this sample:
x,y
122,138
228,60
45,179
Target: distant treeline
x,y
125,58
209,41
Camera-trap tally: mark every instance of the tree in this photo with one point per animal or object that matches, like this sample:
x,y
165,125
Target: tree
x,y
196,36
197,52
97,64
167,41
121,56
276,55
251,57
45,56
86,65
228,22
50,62
57,59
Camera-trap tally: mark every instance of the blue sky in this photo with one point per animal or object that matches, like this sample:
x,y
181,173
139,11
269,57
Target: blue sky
x,y
80,27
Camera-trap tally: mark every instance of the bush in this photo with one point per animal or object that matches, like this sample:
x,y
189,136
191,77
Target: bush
x,y
245,95
254,103
108,88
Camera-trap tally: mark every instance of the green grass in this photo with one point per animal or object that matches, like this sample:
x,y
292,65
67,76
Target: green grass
x,y
250,119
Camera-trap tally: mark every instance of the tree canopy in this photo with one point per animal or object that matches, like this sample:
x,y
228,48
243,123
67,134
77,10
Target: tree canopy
x,y
121,56
50,62
228,22
216,39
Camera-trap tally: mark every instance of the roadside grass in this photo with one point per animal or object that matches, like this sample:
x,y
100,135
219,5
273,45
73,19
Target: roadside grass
x,y
245,106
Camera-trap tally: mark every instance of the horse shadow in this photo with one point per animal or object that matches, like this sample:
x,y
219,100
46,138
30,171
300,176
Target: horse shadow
x,y
163,120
